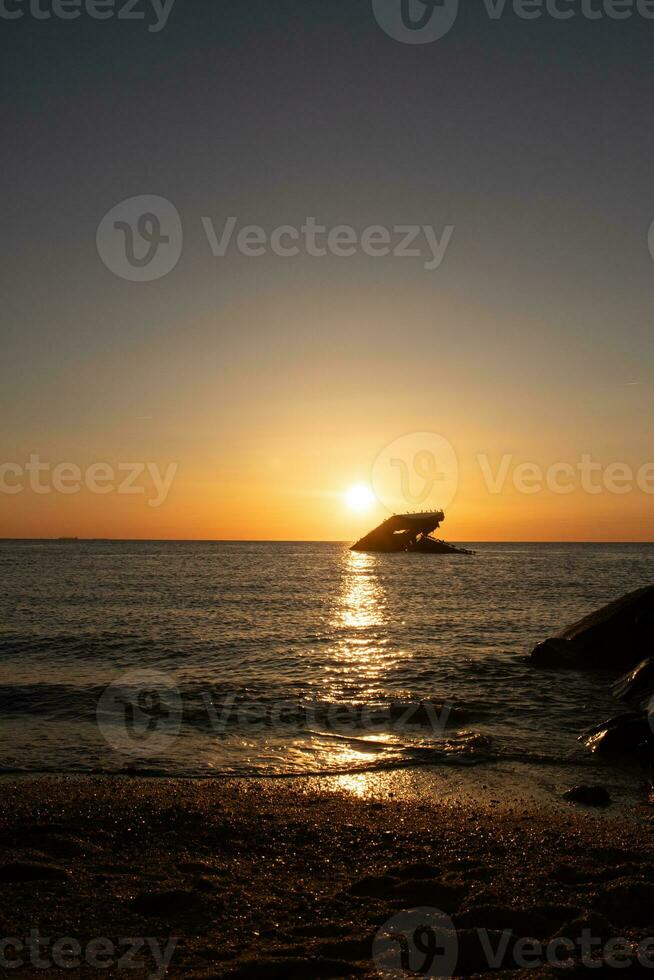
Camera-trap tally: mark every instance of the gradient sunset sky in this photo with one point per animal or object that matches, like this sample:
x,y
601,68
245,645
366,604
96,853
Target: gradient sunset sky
x,y
274,383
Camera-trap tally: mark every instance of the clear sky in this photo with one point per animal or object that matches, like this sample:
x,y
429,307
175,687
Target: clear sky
x,y
273,383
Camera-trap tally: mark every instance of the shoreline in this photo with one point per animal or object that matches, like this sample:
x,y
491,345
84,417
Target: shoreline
x,y
258,878
492,782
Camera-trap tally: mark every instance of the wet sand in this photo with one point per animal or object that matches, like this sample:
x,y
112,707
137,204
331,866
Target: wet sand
x,y
268,879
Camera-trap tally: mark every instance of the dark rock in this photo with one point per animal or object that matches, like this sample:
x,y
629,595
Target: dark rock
x,y
615,637
26,871
589,795
628,902
637,684
628,734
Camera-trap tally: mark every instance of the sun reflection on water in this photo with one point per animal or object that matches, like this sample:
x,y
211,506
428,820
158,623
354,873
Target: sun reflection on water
x,y
362,655
362,599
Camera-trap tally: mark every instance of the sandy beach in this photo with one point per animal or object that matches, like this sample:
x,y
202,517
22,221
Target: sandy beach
x,y
249,879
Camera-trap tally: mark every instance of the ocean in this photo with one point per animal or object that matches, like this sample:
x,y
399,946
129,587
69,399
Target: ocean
x,y
293,659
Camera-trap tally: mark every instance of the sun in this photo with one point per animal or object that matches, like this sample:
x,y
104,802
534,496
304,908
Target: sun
x,y
360,498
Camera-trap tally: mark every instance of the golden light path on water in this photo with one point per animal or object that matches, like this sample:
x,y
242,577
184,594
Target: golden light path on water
x,y
359,620
360,661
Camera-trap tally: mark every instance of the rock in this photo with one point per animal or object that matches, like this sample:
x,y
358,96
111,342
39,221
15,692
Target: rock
x,y
628,902
628,734
615,637
20,871
637,684
588,795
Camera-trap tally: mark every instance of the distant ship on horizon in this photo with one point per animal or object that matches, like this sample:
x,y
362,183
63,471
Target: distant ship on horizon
x,y
409,533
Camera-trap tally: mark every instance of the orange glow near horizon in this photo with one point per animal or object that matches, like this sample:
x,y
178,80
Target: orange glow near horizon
x,y
199,509
287,461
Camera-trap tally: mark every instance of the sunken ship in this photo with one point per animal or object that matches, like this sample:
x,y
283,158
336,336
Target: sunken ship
x,y
409,532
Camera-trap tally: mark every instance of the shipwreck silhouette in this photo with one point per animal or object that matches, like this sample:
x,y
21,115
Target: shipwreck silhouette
x,y
409,532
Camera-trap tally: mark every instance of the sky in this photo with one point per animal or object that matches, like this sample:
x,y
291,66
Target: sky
x,y
249,393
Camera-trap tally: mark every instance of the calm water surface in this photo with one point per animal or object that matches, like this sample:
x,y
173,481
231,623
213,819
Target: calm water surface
x,y
282,659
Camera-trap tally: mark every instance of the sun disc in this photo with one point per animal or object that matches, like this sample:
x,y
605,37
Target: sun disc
x,y
360,498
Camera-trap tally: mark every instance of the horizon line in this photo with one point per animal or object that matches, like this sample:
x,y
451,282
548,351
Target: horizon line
x,y
62,539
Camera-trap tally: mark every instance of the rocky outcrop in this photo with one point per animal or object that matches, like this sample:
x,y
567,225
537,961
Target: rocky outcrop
x,y
615,637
